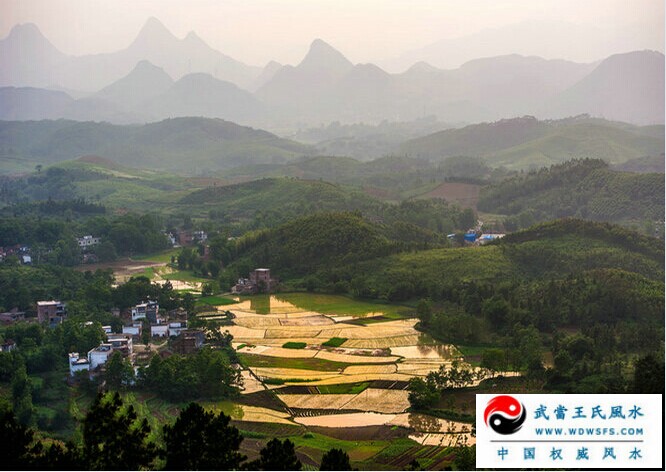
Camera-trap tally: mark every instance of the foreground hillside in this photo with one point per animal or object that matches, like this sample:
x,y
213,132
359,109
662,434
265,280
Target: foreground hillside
x,y
581,188
564,276
554,249
186,145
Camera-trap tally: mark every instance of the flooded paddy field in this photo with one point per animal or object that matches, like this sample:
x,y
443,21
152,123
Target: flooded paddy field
x,y
339,367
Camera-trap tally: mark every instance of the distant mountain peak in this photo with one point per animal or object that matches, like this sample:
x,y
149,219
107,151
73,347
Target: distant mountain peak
x,y
25,29
192,37
422,66
323,55
153,31
272,65
26,39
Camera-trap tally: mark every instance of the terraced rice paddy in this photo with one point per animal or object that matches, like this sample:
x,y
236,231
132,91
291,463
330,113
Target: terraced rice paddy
x,y
360,381
388,350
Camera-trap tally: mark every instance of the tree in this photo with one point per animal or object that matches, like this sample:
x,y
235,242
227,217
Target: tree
x,y
206,289
22,395
465,458
119,372
188,303
106,252
494,360
335,459
422,394
200,440
424,311
16,440
276,455
114,438
649,375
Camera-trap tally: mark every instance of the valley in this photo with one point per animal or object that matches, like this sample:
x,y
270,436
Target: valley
x,y
316,251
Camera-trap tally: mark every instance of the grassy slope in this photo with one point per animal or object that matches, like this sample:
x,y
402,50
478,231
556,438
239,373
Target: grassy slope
x,y
583,140
340,305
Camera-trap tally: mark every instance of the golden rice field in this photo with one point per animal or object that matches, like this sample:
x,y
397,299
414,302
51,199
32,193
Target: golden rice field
x,y
390,350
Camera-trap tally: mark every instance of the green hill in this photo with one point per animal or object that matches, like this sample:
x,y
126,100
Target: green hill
x,y
273,201
551,250
582,188
102,181
305,245
523,143
392,178
186,145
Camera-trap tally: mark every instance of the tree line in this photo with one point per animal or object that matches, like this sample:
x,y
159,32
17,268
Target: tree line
x,y
113,437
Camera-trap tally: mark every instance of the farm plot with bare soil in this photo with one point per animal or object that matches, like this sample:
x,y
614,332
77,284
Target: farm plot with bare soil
x,y
466,195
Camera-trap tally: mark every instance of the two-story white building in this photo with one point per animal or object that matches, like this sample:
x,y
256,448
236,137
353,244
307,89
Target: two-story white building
x,y
77,363
88,241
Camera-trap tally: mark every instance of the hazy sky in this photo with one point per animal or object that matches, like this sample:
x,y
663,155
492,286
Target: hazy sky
x,y
256,31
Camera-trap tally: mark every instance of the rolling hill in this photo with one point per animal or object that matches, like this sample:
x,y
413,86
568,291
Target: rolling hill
x,y
521,143
273,201
187,145
551,250
582,188
102,181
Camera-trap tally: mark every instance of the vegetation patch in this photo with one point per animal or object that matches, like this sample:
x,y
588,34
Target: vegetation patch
x,y
294,345
343,388
309,363
340,305
334,342
215,300
184,276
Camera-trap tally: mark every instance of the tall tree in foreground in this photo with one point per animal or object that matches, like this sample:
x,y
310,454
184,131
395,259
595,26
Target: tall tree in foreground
x,y
114,438
335,459
276,455
649,375
200,440
16,440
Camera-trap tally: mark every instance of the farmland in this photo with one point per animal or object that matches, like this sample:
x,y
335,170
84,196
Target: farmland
x,y
308,361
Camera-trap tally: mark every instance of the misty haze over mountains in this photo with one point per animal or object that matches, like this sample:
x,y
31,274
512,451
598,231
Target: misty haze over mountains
x,y
160,76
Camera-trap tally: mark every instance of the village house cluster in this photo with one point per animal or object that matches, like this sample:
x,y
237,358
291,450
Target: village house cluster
x,y
173,326
21,251
187,237
183,340
24,253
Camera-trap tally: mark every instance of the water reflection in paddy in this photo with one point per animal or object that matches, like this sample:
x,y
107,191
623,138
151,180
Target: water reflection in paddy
x,y
429,351
420,423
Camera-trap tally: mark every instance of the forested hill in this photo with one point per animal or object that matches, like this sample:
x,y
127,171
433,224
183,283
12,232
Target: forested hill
x,y
315,242
554,250
188,145
585,188
269,202
522,143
